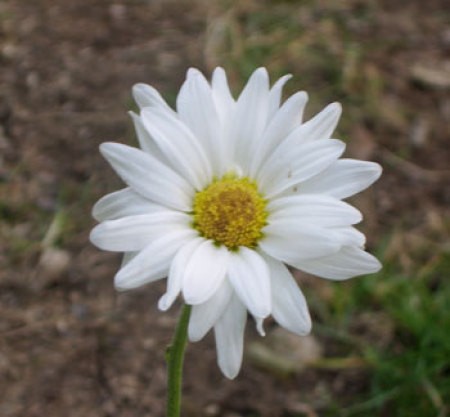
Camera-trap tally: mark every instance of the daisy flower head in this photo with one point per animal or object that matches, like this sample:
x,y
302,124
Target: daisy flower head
x,y
223,194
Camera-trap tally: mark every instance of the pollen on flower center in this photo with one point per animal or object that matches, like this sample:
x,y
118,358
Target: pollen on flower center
x,y
231,212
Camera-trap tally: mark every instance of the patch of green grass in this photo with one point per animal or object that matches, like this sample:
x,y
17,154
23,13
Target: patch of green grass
x,y
410,375
417,367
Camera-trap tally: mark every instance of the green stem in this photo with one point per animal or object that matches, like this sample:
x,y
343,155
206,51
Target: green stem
x,y
174,359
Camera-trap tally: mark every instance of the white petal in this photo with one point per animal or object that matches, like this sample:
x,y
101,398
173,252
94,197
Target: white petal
x,y
249,276
322,125
275,94
204,316
251,117
347,263
148,176
350,236
176,272
229,333
313,209
283,122
153,261
204,272
123,203
133,233
221,94
289,307
146,142
289,165
147,96
343,178
178,145
289,241
197,110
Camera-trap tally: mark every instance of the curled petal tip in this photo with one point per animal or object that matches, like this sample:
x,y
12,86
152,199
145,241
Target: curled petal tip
x,y
164,303
260,327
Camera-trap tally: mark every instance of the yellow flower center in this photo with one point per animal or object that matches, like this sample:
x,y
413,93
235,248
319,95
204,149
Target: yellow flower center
x,y
231,212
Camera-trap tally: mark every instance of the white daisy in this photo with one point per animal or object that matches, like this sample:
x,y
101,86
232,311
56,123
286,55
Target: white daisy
x,y
223,194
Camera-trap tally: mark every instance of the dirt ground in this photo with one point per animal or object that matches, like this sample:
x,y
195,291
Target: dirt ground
x,y
69,344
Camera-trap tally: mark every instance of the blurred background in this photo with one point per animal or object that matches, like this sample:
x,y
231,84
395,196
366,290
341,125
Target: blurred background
x,y
71,346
